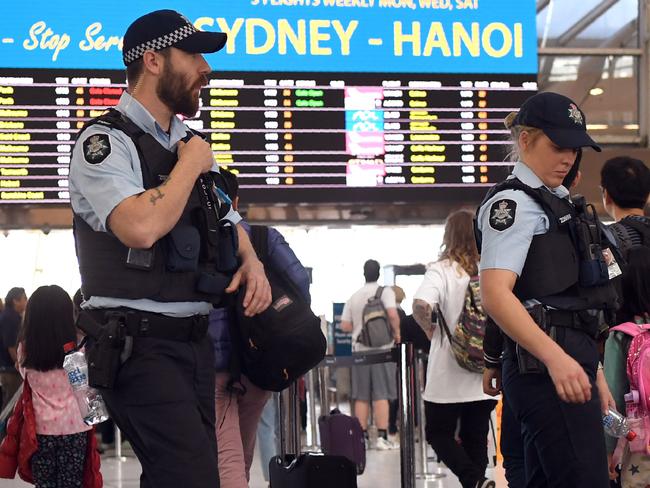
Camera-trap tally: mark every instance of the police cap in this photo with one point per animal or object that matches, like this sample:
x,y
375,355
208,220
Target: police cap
x,y
165,28
558,117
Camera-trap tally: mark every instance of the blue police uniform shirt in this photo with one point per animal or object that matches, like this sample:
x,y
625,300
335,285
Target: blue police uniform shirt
x,y
506,246
96,189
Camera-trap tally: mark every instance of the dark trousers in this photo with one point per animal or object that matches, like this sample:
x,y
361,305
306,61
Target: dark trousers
x,y
468,459
163,401
59,461
512,448
564,445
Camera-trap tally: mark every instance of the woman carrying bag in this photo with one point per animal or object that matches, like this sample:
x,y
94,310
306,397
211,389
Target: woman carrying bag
x,y
452,393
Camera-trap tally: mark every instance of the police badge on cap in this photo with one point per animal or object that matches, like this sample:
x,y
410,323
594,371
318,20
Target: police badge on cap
x,y
559,118
502,214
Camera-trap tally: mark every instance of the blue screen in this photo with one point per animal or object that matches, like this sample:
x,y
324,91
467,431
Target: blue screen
x,y
400,36
309,101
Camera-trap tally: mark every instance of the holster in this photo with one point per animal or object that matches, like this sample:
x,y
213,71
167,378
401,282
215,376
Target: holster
x,y
526,362
104,350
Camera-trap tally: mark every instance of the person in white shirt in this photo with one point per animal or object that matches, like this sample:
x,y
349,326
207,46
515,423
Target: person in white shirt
x,y
453,394
375,382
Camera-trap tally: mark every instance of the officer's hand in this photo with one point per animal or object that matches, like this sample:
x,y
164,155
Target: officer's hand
x,y
196,152
606,398
490,374
570,380
258,290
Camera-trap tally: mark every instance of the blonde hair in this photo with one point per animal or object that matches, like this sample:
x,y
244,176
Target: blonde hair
x,y
458,243
515,132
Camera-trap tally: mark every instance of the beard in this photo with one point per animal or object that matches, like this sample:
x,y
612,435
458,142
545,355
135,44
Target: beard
x,y
175,91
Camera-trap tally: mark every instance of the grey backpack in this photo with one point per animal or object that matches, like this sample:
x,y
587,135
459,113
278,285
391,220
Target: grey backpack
x,y
376,330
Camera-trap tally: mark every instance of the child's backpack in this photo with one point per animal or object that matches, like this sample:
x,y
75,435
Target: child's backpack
x,y
638,374
375,331
467,339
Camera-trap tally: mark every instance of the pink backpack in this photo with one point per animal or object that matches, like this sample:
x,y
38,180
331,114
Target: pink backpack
x,y
638,374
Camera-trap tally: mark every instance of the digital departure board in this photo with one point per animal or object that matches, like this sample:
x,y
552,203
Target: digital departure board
x,y
340,100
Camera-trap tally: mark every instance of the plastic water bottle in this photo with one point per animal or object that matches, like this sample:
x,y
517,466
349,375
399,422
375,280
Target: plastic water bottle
x,y
91,403
616,425
632,404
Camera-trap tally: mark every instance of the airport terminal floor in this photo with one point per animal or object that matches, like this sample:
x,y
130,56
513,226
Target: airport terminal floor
x,y
382,471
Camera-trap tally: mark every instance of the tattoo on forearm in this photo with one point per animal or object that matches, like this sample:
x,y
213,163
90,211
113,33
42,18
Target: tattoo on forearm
x,y
156,195
422,315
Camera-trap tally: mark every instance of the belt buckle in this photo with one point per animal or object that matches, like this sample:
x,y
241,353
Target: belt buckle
x,y
144,327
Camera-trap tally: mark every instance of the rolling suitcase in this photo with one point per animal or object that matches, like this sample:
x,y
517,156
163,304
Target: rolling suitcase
x,y
308,470
342,435
312,470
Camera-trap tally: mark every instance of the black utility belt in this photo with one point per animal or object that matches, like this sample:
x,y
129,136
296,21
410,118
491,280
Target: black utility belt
x,y
137,323
112,332
549,320
583,320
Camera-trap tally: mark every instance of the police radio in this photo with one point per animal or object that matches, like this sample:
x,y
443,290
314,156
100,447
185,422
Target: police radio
x,y
588,233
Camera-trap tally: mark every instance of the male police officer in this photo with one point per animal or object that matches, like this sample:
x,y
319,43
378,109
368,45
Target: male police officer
x,y
156,248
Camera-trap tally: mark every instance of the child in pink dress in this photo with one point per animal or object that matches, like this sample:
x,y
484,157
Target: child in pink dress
x,y
60,431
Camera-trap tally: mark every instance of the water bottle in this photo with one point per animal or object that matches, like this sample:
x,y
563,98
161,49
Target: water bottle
x,y
632,404
616,425
91,403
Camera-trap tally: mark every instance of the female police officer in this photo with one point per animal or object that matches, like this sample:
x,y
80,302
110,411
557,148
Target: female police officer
x,y
544,282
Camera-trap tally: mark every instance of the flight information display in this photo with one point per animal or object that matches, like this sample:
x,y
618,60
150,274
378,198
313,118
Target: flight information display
x,y
310,101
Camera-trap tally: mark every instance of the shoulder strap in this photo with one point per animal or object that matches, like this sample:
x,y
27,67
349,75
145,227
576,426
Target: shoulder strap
x,y
544,198
115,119
642,227
260,241
470,290
552,205
443,324
630,328
380,290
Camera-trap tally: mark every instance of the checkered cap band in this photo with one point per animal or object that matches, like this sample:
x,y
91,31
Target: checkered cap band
x,y
159,43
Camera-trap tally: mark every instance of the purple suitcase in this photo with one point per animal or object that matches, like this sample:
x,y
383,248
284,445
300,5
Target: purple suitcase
x,y
341,435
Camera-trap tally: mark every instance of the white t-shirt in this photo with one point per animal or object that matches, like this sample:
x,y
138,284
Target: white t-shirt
x,y
445,283
353,310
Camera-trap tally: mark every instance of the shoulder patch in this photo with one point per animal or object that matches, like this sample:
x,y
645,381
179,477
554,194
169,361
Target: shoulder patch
x,y
502,214
96,148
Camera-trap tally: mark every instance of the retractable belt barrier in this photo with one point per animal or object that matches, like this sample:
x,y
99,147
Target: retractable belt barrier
x,y
420,381
404,356
362,358
408,382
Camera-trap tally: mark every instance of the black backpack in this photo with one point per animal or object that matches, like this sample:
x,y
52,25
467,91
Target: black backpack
x,y
624,228
285,341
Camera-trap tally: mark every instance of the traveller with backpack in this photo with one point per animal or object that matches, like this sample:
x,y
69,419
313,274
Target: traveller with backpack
x,y
625,186
627,370
239,399
371,315
447,307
